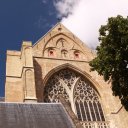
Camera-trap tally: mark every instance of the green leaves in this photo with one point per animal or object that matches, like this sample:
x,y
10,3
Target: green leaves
x,y
112,56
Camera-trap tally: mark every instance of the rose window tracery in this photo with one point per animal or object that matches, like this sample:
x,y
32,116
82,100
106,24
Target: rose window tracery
x,y
85,98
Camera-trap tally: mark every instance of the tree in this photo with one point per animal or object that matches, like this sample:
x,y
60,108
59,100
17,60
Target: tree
x,y
112,56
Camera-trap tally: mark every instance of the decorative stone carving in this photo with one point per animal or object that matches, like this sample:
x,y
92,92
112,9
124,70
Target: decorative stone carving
x,y
64,49
64,53
61,43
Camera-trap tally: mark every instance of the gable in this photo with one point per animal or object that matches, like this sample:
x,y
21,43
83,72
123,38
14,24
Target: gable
x,y
60,43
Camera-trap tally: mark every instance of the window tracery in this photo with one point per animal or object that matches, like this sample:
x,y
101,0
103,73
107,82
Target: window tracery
x,y
86,101
54,85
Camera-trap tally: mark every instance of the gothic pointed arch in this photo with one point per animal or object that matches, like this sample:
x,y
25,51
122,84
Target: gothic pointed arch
x,y
74,68
77,90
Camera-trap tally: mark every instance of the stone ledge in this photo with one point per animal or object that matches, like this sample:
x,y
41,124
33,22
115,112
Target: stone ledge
x,y
13,53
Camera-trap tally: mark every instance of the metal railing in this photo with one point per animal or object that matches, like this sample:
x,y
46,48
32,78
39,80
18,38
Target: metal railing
x,y
95,124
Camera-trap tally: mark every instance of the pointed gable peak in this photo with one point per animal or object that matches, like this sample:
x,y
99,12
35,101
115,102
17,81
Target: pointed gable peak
x,y
58,28
59,38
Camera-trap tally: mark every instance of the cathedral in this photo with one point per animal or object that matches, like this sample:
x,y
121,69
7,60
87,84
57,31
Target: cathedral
x,y
50,85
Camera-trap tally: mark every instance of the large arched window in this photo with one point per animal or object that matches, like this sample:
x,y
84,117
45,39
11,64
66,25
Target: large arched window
x,y
78,91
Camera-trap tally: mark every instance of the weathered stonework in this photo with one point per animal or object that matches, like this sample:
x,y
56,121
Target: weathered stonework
x,y
28,70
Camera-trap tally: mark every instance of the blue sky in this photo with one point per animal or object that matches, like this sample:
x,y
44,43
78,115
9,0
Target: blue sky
x,y
22,20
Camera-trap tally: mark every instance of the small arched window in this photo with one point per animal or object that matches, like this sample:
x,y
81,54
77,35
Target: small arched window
x,y
76,55
51,52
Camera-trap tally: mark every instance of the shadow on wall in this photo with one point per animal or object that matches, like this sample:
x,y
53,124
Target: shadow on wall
x,y
38,81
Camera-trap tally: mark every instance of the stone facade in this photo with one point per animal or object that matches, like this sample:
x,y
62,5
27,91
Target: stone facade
x,y
29,70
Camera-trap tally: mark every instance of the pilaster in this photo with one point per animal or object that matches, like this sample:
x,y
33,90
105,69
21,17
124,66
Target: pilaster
x,y
28,72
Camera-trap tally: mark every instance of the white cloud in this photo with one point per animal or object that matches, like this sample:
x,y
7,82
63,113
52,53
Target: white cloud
x,y
84,17
65,7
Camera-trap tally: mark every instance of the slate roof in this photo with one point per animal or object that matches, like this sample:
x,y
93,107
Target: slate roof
x,y
40,115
